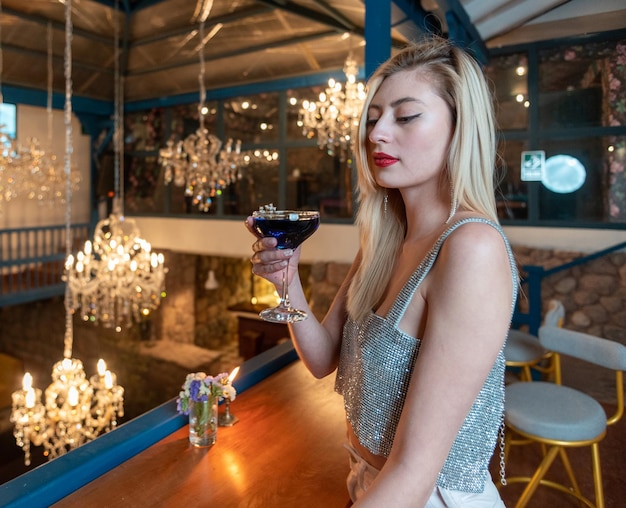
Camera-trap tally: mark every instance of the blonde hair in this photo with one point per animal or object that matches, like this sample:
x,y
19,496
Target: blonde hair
x,y
469,169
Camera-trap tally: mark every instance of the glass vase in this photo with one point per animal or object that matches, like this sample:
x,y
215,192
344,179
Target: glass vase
x,y
203,422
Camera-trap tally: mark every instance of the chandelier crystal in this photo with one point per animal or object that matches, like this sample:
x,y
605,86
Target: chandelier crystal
x,y
74,409
200,163
334,117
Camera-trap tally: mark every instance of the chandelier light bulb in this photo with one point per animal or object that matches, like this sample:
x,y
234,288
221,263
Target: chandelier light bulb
x,y
108,380
102,367
30,398
27,381
72,396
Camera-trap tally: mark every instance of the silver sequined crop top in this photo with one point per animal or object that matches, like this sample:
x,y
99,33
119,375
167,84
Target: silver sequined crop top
x,y
375,367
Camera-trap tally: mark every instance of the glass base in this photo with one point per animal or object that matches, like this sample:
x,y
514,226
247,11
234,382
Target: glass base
x,y
283,315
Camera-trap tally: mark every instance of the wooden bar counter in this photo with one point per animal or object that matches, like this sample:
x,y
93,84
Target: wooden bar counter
x,y
286,450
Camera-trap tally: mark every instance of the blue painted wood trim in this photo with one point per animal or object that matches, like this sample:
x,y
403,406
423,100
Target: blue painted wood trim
x,y
60,477
305,80
32,295
32,97
377,34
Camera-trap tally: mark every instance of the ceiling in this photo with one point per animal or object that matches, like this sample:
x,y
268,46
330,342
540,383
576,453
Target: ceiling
x,y
249,41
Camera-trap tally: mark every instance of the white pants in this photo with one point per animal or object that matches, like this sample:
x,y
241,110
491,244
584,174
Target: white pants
x,y
362,474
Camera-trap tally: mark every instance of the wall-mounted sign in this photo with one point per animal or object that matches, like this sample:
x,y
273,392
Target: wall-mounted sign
x,y
533,165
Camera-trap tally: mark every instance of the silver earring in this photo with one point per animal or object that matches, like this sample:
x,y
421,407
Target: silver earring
x,y
385,201
453,207
454,204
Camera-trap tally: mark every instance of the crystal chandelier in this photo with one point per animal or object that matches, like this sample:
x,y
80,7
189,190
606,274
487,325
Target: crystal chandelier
x,y
116,280
334,117
74,409
30,170
200,163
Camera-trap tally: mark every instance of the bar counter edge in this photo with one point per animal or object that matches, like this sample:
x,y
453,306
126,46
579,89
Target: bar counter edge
x,y
50,482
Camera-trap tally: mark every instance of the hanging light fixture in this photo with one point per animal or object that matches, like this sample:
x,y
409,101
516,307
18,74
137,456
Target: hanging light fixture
x,y
334,117
31,170
74,409
116,280
199,163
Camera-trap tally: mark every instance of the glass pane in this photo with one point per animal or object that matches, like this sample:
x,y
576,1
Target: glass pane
x,y
185,120
582,85
318,181
294,104
512,193
144,187
583,180
259,183
143,130
615,165
508,76
252,119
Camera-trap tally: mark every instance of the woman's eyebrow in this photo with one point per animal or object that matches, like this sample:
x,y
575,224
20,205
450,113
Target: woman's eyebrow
x,y
404,100
397,102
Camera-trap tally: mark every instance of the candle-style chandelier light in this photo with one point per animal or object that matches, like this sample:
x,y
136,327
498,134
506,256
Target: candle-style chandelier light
x,y
31,170
334,117
200,163
116,280
74,409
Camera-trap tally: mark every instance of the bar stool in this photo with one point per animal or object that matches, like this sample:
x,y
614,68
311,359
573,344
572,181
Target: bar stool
x,y
524,351
559,417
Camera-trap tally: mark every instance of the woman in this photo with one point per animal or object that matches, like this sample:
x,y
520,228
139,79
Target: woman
x,y
434,275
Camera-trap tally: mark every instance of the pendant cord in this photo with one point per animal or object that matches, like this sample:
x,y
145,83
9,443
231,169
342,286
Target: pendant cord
x,y
69,332
117,121
201,75
50,75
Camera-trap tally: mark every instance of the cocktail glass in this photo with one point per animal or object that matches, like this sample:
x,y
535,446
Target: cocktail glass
x,y
290,228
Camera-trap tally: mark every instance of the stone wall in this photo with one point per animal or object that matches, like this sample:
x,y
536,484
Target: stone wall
x,y
593,294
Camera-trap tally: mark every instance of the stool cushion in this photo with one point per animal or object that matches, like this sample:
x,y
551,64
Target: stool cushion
x,y
522,347
552,411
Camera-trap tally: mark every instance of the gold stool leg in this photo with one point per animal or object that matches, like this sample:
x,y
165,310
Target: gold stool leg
x,y
537,477
597,474
570,471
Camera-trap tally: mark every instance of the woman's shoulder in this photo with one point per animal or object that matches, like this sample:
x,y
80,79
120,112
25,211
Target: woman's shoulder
x,y
472,235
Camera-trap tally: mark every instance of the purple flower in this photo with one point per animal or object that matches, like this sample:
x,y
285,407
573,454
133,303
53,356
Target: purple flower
x,y
194,389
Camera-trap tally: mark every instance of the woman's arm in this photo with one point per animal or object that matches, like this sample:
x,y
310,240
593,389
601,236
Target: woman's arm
x,y
317,344
468,305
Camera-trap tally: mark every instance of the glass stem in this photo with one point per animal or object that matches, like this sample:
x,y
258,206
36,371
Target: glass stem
x,y
284,298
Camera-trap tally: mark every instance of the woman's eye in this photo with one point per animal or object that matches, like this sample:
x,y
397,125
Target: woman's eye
x,y
370,122
405,119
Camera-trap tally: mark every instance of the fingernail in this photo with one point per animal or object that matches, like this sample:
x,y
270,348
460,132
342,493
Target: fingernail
x,y
288,253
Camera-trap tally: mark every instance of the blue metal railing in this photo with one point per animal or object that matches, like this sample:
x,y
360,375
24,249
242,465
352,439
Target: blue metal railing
x,y
533,279
31,261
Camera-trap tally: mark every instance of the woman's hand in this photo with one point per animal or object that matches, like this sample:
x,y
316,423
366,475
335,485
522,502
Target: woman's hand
x,y
269,262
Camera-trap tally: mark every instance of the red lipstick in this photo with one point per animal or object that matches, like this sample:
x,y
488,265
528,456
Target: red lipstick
x,y
383,160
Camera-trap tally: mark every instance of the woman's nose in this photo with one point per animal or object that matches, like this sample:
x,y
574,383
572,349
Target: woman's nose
x,y
378,132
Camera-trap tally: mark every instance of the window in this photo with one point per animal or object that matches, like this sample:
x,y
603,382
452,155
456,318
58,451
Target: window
x,y
577,118
8,120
